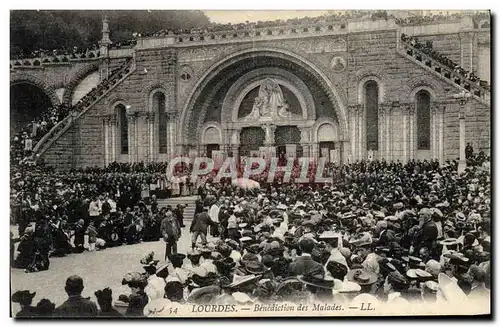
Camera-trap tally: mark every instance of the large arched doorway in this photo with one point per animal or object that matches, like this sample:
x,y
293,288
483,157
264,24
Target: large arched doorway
x,y
27,103
208,100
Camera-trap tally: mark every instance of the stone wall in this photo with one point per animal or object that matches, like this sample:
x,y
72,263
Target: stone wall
x,y
369,55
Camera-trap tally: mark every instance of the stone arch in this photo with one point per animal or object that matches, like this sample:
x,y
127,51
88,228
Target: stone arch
x,y
76,79
361,88
49,90
250,80
421,83
211,126
149,91
322,122
334,94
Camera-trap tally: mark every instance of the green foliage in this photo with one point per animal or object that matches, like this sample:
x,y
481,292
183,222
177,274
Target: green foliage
x,y
56,29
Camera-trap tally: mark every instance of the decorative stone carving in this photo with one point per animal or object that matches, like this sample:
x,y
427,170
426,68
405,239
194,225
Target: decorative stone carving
x,y
338,64
269,129
171,115
149,116
270,103
186,73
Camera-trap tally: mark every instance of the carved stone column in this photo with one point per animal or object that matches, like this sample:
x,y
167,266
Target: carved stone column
x,y
412,134
382,127
433,132
354,133
388,133
107,139
440,114
269,129
113,127
132,136
406,131
171,134
361,141
306,141
150,122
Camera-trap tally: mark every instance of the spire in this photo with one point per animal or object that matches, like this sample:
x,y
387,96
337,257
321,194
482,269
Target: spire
x,y
105,40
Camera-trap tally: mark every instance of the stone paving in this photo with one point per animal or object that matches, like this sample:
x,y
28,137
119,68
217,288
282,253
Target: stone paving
x,y
98,269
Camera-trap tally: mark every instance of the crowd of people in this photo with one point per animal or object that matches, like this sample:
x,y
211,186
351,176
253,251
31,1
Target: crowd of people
x,y
429,50
383,232
417,20
71,52
24,140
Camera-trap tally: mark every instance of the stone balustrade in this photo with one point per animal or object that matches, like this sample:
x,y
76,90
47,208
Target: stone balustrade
x,y
54,60
474,87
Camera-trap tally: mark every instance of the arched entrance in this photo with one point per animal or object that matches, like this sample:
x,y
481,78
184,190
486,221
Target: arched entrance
x,y
226,94
27,102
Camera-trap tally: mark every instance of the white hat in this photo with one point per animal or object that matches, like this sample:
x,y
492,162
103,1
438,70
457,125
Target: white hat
x,y
451,291
245,239
345,287
241,297
238,280
329,234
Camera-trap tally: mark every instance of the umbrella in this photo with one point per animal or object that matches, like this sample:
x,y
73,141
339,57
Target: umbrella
x,y
245,183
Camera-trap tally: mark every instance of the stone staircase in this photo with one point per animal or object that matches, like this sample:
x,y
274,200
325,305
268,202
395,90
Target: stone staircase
x,y
189,200
95,95
430,64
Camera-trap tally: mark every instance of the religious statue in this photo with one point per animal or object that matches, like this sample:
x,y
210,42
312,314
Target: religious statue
x,y
270,102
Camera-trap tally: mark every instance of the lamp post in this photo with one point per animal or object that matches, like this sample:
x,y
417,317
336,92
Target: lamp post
x,y
462,98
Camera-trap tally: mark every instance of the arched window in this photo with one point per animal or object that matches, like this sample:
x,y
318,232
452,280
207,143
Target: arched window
x,y
423,99
371,110
123,127
159,109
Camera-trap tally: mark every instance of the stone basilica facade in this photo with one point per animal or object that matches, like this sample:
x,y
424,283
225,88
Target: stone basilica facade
x,y
336,90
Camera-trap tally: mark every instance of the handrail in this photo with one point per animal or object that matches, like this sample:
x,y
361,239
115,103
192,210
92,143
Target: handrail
x,y
61,127
446,72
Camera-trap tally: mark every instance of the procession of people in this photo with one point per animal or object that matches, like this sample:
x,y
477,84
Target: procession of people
x,y
383,232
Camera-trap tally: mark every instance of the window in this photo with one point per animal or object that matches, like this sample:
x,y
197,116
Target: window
x,y
423,100
371,110
159,110
123,126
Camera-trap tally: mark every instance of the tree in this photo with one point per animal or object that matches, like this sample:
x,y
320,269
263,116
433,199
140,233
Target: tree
x,y
56,29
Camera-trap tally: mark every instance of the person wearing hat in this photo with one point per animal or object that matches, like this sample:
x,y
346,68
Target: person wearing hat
x,y
171,232
318,284
232,227
304,263
194,257
199,227
105,300
25,249
396,285
204,295
138,299
363,278
45,308
25,299
76,306
479,292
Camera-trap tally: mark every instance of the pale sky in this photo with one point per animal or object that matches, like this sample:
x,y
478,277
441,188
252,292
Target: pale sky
x,y
240,16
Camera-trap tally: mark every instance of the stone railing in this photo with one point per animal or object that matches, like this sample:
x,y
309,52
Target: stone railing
x,y
477,90
103,88
264,33
54,60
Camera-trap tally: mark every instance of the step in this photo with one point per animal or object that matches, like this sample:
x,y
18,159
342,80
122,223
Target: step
x,y
189,200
